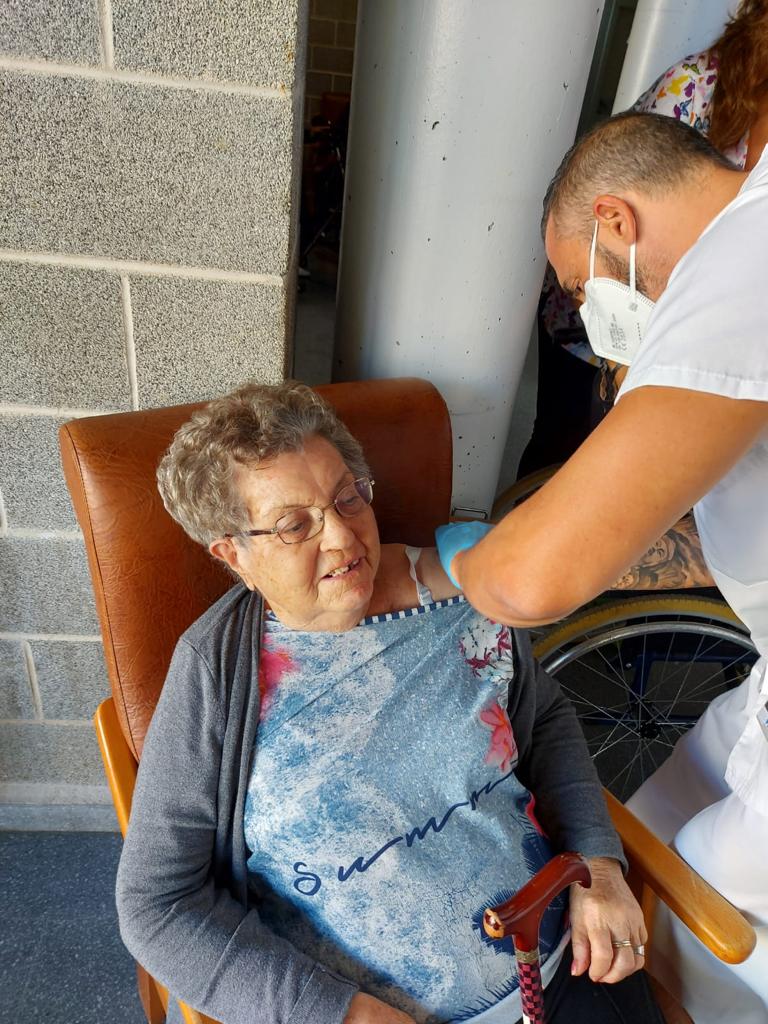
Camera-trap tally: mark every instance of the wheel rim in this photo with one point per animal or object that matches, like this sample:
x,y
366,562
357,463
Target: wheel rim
x,y
637,688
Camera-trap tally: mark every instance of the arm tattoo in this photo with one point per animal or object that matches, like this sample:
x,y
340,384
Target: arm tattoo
x,y
674,562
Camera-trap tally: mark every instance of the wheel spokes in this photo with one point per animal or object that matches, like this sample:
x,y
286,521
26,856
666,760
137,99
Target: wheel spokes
x,y
638,687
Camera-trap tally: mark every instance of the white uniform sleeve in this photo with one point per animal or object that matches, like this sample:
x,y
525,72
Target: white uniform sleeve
x,y
709,330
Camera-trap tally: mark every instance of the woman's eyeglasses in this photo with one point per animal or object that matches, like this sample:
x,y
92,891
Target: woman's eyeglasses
x,y
304,523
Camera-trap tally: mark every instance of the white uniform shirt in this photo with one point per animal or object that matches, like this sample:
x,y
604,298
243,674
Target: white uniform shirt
x,y
709,332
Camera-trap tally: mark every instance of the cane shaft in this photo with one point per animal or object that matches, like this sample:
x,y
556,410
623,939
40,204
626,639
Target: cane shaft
x,y
531,990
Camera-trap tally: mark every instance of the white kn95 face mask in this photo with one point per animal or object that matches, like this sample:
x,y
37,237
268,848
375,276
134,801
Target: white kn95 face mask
x,y
615,315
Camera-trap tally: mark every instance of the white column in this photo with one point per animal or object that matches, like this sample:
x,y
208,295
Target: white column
x,y
461,111
663,32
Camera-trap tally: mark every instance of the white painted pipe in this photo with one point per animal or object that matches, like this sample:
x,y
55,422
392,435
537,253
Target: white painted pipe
x,y
663,32
461,111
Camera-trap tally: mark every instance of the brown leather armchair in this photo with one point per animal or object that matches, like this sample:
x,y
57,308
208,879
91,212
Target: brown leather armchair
x,y
151,582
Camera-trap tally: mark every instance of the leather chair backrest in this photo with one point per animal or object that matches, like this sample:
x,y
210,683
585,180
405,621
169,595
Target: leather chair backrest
x,y
151,581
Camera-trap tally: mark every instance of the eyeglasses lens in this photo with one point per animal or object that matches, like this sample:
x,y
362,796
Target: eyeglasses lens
x,y
299,525
305,523
353,498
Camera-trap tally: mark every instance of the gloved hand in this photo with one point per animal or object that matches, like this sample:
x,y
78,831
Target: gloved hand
x,y
456,537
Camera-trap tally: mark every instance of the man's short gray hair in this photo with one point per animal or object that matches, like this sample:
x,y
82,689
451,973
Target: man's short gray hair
x,y
631,152
250,426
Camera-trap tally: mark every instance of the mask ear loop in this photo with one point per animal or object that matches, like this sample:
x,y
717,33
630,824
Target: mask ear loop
x,y
592,252
632,278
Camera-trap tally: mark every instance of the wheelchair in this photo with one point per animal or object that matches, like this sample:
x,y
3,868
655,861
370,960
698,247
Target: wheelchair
x,y
640,668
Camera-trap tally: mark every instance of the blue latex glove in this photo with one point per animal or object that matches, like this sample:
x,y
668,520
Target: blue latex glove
x,y
456,537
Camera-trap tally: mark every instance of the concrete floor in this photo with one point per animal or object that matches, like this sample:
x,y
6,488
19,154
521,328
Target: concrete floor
x,y
315,321
61,958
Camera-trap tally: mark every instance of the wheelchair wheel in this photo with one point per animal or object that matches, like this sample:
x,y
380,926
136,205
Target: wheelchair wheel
x,y
520,490
640,671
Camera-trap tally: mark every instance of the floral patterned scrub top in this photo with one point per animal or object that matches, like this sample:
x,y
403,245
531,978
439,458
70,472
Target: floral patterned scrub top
x,y
389,813
685,91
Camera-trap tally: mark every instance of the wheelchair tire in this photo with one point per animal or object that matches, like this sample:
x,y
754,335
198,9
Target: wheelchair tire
x,y
520,490
640,671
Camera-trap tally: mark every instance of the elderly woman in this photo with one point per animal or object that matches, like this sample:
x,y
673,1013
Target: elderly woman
x,y
348,763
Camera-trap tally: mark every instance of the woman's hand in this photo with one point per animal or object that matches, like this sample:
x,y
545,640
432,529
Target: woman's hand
x,y
366,1010
606,913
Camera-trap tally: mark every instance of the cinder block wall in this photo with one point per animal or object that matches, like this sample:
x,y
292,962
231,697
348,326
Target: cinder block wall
x,y
331,50
148,205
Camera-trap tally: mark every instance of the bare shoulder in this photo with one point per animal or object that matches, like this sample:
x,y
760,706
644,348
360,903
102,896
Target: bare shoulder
x,y
432,575
394,588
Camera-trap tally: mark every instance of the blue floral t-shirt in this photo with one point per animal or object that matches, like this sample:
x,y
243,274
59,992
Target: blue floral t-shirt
x,y
389,813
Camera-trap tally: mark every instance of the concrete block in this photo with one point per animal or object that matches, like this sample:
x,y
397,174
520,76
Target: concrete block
x,y
321,32
327,58
318,83
15,692
196,339
345,34
231,40
66,31
348,10
58,818
50,793
61,338
31,479
106,168
71,676
313,108
340,10
342,83
327,8
45,586
39,752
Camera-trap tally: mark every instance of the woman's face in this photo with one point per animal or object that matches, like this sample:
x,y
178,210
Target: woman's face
x,y
294,578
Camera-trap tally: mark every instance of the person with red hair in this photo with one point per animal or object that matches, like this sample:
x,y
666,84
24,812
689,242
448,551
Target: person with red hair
x,y
723,91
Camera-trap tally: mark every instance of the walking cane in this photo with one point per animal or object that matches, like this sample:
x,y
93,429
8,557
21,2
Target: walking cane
x,y
521,916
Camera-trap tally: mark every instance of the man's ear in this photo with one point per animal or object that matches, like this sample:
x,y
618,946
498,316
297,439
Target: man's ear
x,y
617,220
225,549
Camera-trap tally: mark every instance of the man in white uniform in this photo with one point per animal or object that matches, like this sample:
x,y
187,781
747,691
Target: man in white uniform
x,y
665,244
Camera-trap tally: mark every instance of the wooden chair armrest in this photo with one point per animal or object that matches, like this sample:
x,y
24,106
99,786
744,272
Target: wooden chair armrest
x,y
189,1015
119,763
121,767
711,918
193,1017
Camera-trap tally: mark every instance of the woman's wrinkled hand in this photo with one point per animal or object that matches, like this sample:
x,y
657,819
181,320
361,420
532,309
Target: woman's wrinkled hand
x,y
605,913
366,1009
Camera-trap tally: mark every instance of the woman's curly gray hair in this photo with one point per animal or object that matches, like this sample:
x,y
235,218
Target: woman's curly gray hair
x,y
255,424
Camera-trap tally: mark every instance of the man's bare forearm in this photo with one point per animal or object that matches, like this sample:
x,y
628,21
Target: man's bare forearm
x,y
675,562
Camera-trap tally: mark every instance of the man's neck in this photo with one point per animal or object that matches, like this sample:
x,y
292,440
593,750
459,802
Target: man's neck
x,y
691,210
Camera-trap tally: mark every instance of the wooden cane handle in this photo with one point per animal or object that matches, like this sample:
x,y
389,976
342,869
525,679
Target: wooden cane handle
x,y
521,915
